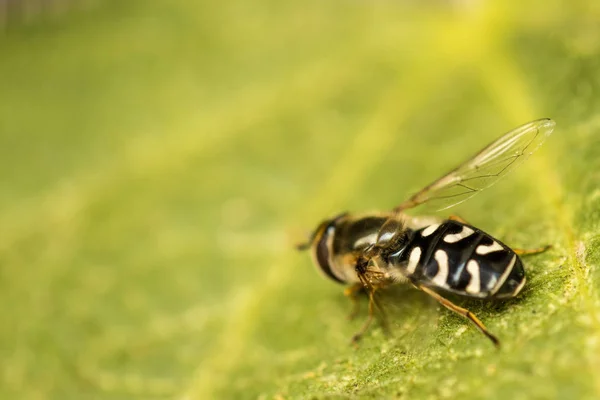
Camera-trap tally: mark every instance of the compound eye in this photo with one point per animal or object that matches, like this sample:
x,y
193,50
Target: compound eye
x,y
322,252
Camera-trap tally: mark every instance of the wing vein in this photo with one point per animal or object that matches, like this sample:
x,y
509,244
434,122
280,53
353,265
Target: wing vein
x,y
483,169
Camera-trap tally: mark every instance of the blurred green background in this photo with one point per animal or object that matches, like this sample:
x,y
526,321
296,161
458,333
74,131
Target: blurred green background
x,y
159,159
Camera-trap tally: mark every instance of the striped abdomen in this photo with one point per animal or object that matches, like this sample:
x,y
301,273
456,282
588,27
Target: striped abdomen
x,y
461,259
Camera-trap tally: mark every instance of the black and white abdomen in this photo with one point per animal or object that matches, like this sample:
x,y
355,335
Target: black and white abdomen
x,y
461,259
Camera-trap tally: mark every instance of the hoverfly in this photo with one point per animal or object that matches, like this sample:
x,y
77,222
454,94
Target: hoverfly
x,y
373,251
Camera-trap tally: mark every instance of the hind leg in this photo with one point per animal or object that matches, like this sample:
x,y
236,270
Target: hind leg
x,y
521,252
464,312
526,252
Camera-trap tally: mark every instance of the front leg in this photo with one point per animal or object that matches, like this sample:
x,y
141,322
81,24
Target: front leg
x,y
352,293
358,335
371,281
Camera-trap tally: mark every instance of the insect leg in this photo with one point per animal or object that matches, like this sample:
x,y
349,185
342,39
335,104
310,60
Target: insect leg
x,y
384,319
457,218
352,293
462,311
356,337
525,252
521,252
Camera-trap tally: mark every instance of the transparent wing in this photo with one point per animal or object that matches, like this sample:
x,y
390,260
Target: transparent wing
x,y
484,169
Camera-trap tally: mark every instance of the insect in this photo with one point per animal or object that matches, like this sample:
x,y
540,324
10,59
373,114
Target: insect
x,y
438,256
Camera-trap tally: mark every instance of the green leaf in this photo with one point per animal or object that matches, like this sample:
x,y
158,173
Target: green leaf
x,y
159,159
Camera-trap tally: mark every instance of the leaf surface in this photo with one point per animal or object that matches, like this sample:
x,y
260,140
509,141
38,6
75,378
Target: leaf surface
x,y
159,159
